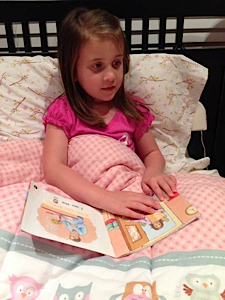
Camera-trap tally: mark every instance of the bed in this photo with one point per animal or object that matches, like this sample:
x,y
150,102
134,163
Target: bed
x,y
182,81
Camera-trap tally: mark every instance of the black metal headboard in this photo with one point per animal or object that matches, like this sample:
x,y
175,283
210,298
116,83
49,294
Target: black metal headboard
x,y
208,53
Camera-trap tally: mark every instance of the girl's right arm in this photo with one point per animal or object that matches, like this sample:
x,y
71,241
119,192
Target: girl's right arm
x,y
57,173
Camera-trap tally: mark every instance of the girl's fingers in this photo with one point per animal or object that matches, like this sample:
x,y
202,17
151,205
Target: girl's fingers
x,y
132,214
159,193
140,213
133,205
167,184
145,204
146,189
171,180
157,190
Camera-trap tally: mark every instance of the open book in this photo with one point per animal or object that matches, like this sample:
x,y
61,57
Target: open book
x,y
53,217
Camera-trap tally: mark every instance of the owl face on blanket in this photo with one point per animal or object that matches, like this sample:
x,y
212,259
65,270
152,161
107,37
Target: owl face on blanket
x,y
24,288
74,293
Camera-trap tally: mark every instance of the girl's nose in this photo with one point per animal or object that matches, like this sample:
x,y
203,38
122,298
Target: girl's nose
x,y
109,75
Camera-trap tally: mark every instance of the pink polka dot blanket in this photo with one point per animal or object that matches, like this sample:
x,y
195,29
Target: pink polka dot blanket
x,y
189,264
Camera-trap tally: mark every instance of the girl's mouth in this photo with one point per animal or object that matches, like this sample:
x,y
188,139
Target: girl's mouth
x,y
110,88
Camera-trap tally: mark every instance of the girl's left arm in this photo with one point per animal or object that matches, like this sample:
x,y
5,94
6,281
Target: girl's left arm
x,y
154,178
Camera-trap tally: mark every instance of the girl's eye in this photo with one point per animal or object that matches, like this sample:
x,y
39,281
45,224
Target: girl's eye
x,y
97,66
117,64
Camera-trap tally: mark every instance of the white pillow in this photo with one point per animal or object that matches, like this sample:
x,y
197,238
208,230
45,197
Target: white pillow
x,y
27,86
171,85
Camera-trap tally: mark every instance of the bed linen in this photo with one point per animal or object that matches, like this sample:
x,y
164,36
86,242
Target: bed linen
x,y
169,84
189,264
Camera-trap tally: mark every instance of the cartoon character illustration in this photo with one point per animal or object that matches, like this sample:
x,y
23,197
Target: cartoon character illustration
x,y
138,290
76,226
75,293
203,287
24,288
155,220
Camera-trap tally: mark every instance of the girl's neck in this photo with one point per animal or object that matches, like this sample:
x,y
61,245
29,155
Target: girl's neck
x,y
106,110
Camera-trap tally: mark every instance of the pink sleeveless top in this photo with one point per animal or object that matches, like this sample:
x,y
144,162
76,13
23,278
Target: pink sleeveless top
x,y
121,128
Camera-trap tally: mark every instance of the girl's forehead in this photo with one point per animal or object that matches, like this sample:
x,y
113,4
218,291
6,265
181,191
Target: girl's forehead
x,y
96,41
102,47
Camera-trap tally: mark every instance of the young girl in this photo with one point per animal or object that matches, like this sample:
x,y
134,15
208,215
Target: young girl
x,y
93,59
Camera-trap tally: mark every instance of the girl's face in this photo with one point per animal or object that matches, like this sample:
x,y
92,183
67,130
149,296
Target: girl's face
x,y
100,69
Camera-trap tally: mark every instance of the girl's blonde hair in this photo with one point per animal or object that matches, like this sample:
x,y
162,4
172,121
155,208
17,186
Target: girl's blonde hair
x,y
78,26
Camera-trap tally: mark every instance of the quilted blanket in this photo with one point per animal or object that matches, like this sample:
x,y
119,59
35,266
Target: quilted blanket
x,y
189,264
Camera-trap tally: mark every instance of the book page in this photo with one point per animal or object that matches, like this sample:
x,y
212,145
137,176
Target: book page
x,y
118,242
183,209
175,212
169,224
152,228
65,220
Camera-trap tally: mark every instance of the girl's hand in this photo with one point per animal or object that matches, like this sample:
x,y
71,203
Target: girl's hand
x,y
156,181
130,204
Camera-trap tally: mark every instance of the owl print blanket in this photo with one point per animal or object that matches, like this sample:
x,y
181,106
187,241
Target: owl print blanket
x,y
189,264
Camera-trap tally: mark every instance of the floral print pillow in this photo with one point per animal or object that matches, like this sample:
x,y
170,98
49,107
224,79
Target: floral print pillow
x,y
171,85
27,86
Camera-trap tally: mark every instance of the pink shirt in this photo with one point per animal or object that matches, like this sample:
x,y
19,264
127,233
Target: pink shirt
x,y
121,128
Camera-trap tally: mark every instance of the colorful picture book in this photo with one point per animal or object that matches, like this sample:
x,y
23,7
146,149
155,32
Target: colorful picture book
x,y
61,219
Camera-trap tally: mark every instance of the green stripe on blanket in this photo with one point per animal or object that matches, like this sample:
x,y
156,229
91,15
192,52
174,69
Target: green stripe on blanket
x,y
6,239
67,260
193,258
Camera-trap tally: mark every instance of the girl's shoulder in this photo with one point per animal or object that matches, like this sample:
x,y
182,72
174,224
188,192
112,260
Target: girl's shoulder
x,y
60,114
59,101
146,122
60,104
